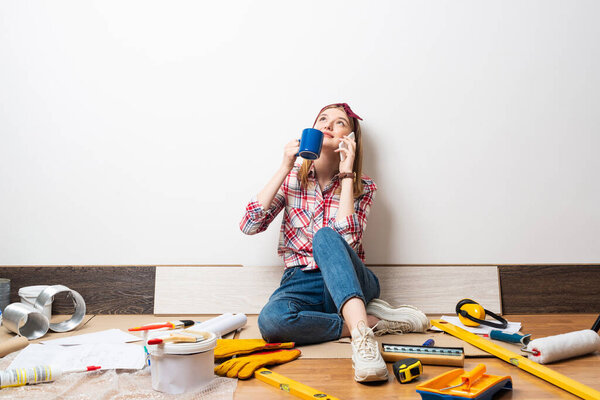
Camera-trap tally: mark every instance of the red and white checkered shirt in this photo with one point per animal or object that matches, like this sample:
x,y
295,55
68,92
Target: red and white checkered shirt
x,y
306,211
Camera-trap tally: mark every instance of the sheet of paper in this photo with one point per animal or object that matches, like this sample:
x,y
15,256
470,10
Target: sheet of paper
x,y
106,355
107,336
513,327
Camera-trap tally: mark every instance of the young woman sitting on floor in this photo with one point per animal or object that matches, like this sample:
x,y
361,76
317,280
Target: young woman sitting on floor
x,y
326,291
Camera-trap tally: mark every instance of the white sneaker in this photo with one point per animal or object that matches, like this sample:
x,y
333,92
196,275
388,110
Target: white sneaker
x,y
403,319
366,359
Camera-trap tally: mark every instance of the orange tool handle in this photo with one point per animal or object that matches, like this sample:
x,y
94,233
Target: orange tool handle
x,y
470,377
152,326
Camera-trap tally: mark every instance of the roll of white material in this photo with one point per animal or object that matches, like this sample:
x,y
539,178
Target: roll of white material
x,y
223,324
567,345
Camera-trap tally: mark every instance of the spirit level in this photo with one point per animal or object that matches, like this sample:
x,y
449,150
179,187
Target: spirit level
x,y
545,373
429,355
291,386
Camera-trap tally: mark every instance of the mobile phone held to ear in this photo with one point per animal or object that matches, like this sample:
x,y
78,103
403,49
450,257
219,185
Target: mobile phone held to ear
x,y
343,145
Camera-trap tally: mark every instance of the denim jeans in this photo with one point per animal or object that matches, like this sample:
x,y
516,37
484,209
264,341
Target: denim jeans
x,y
306,308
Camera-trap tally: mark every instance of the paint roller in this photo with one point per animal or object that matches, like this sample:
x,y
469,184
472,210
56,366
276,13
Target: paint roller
x,y
559,347
543,350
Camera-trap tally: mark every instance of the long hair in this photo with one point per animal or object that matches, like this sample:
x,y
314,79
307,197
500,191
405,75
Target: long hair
x,y
356,167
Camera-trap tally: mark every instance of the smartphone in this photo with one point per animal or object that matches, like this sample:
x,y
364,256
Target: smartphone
x,y
343,145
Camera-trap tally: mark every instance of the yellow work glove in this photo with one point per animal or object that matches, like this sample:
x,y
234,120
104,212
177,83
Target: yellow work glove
x,y
230,347
244,367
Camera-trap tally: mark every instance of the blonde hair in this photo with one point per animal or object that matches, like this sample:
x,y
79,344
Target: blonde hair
x,y
356,167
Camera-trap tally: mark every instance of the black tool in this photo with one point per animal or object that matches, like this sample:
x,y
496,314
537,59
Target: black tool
x,y
596,325
407,370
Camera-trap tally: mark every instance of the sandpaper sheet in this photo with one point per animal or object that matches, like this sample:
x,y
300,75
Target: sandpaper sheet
x,y
342,349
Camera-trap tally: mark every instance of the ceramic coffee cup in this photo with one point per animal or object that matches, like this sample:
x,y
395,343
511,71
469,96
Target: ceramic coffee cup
x,y
311,143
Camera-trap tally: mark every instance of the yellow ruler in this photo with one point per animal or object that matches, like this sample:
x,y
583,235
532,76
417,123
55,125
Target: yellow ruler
x,y
563,382
291,386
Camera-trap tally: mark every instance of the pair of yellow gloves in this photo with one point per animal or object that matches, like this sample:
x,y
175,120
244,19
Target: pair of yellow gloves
x,y
260,353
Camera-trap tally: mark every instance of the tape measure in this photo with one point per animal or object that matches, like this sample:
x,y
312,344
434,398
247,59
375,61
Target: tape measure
x,y
291,386
407,370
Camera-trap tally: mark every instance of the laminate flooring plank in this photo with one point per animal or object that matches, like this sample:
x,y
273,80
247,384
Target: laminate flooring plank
x,y
202,290
106,290
530,289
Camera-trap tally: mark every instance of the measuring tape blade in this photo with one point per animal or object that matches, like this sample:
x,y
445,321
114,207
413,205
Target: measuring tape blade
x,y
545,373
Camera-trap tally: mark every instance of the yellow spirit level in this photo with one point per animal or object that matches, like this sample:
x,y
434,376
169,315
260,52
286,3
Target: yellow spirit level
x,y
291,386
545,373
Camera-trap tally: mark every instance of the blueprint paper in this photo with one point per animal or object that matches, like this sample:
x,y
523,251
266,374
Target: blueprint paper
x,y
106,355
107,336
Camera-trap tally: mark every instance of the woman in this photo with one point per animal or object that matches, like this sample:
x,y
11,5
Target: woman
x,y
325,287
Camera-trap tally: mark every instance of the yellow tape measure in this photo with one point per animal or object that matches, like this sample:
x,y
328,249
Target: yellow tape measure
x,y
291,386
560,380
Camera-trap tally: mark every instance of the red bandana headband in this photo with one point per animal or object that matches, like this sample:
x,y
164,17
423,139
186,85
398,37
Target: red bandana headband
x,y
346,108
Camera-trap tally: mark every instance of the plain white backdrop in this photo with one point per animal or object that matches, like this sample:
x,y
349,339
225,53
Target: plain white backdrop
x,y
135,132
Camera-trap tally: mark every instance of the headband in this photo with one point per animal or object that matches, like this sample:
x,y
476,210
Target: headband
x,y
346,108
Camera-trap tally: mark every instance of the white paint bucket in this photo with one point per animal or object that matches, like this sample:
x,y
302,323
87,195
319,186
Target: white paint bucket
x,y
183,367
28,294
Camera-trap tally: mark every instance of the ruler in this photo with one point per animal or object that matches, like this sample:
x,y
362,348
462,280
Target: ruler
x,y
291,386
430,355
545,373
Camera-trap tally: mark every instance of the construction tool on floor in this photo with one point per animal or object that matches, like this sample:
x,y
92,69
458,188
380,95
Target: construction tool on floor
x,y
596,326
407,370
545,373
429,355
460,384
559,347
510,337
291,386
169,325
173,338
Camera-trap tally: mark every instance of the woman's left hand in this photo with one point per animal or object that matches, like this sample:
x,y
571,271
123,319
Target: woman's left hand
x,y
348,151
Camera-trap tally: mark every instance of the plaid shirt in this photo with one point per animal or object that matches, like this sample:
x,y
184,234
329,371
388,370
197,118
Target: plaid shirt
x,y
306,211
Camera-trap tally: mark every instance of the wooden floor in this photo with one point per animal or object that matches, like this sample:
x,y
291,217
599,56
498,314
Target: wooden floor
x,y
334,376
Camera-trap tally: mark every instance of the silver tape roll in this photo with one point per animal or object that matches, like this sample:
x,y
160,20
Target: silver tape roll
x,y
77,317
24,320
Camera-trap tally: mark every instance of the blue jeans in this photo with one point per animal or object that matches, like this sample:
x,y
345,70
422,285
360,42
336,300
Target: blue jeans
x,y
306,308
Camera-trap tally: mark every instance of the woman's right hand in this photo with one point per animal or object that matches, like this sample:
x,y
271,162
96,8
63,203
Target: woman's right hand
x,y
289,154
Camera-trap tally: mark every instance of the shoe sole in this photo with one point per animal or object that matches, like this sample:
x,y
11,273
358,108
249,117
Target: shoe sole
x,y
370,377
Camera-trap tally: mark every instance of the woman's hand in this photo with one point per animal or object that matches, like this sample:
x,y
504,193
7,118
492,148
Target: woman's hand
x,y
289,154
349,151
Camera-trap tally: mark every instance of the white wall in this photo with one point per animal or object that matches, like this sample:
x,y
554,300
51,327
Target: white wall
x,y
134,132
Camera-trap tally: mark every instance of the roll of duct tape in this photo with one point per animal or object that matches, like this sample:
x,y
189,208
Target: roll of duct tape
x,y
77,317
24,320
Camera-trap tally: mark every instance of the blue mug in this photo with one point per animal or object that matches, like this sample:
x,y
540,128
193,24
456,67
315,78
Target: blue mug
x,y
311,143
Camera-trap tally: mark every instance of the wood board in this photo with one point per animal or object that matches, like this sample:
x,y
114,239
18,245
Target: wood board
x,y
211,290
